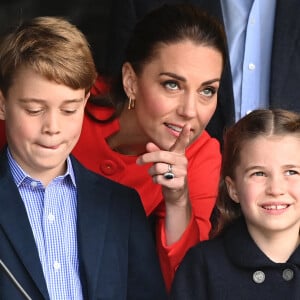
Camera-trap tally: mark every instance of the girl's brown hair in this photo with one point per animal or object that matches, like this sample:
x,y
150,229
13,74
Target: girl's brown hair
x,y
262,122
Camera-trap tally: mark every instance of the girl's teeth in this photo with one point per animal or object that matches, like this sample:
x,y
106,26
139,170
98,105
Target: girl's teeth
x,y
276,207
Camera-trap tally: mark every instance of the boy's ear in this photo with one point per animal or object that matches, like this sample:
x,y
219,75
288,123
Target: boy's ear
x,y
230,184
129,80
2,106
87,96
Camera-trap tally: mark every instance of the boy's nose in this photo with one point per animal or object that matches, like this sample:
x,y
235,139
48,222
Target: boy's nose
x,y
51,124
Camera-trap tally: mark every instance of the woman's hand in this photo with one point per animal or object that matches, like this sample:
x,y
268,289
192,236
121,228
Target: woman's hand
x,y
175,191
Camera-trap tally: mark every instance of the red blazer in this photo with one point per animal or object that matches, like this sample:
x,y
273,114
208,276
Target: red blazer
x,y
203,175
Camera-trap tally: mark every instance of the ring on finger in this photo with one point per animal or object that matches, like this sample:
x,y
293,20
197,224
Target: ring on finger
x,y
169,174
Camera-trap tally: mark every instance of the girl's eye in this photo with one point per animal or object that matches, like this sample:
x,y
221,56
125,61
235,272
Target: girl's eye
x,y
172,85
208,92
291,172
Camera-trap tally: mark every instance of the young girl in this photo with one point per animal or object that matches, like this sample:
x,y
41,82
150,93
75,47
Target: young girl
x,y
255,253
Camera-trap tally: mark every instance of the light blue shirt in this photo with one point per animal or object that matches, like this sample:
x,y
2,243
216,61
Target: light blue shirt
x,y
249,28
52,215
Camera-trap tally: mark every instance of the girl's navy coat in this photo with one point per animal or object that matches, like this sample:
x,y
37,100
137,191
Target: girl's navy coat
x,y
232,267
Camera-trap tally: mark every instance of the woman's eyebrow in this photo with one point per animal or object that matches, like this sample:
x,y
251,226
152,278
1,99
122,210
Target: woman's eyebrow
x,y
181,78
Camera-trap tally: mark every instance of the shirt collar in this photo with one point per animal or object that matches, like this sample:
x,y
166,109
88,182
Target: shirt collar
x,y
19,175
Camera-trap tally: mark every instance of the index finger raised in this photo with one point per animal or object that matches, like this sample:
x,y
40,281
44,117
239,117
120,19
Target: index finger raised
x,y
182,141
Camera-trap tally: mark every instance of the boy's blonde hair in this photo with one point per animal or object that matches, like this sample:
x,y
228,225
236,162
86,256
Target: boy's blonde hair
x,y
51,46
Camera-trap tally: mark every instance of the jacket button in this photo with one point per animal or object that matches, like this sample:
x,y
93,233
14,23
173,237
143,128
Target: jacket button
x,y
108,167
288,274
259,276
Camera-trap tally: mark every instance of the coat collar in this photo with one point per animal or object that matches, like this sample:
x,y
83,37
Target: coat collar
x,y
242,250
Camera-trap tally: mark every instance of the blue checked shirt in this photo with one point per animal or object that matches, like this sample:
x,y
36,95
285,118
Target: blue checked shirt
x,y
52,215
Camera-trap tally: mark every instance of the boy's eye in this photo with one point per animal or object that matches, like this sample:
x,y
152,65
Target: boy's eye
x,y
34,111
69,111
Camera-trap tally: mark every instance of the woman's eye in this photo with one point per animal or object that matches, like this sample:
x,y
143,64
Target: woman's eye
x,y
208,92
259,173
172,85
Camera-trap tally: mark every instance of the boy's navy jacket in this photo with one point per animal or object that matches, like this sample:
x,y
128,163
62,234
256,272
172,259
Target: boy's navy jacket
x,y
116,250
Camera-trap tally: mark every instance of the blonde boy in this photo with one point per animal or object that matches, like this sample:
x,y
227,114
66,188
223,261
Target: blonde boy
x,y
65,233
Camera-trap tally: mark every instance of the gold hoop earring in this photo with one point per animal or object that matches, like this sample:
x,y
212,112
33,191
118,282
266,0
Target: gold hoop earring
x,y
131,103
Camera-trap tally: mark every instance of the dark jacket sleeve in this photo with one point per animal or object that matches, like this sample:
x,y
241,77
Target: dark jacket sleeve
x,y
190,280
145,279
